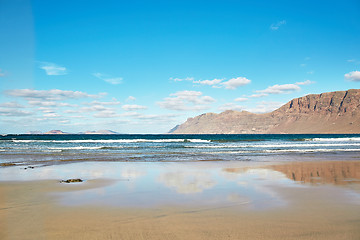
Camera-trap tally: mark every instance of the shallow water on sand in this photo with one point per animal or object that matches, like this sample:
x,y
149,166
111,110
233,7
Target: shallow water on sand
x,y
200,184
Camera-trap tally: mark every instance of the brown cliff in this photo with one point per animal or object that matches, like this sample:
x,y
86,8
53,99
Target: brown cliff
x,y
332,112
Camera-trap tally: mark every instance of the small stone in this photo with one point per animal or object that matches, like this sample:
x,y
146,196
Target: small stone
x,y
72,180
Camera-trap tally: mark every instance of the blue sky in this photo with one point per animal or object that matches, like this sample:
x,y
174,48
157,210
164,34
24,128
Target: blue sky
x,y
146,66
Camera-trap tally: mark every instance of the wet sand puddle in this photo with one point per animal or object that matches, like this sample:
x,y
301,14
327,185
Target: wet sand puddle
x,y
207,185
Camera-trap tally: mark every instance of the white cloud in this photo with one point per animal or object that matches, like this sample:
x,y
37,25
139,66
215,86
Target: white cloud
x,y
50,104
51,115
181,79
142,119
276,26
43,103
264,107
230,106
279,89
77,116
64,121
71,111
240,99
236,82
11,105
193,96
186,101
131,114
233,83
107,113
353,76
209,82
306,82
46,110
54,94
101,109
95,108
13,112
130,99
53,69
258,95
133,107
165,118
94,103
107,79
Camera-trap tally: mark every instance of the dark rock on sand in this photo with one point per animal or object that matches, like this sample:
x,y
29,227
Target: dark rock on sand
x,y
72,180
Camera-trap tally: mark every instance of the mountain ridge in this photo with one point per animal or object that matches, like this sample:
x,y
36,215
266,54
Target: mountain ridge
x,y
330,112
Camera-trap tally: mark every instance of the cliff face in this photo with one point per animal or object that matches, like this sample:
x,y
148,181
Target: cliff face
x,y
332,112
338,103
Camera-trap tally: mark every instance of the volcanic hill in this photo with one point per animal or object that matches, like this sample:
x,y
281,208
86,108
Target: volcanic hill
x,y
331,112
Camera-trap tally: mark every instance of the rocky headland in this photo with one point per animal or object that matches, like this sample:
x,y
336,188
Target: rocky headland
x,y
331,112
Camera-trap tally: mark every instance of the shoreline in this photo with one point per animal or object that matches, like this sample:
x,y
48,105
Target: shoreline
x,y
40,160
193,200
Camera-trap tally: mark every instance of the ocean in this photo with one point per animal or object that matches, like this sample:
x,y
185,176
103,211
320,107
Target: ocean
x,y
27,149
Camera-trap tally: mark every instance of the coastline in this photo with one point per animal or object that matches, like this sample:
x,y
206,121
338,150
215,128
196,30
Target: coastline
x,y
59,149
193,200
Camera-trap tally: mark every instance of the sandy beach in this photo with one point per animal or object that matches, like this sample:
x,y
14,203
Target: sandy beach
x,y
179,120
184,201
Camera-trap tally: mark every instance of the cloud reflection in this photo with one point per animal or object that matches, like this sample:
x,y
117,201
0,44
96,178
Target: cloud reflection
x,y
132,173
187,182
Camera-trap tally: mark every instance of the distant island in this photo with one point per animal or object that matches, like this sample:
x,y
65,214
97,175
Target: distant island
x,y
331,112
55,132
61,132
100,132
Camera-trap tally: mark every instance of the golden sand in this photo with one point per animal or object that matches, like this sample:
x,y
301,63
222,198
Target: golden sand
x,y
31,210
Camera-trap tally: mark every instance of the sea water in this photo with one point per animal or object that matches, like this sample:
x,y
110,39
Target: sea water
x,y
56,149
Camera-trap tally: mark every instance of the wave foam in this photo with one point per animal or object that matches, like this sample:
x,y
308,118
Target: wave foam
x,y
278,145
115,141
349,139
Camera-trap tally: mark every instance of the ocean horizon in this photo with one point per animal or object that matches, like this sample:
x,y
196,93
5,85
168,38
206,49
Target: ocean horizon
x,y
27,149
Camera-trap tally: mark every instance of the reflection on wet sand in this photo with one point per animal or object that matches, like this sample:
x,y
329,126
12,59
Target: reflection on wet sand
x,y
186,182
181,201
329,172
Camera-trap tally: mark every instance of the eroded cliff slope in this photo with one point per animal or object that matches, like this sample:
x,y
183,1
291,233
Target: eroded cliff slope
x,y
331,112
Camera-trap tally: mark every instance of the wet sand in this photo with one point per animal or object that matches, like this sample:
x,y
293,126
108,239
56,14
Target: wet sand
x,y
187,201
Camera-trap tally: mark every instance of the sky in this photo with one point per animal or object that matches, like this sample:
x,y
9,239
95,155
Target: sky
x,y
146,66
